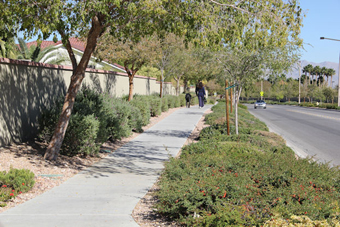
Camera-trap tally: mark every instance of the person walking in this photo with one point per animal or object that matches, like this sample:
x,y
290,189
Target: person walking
x,y
200,92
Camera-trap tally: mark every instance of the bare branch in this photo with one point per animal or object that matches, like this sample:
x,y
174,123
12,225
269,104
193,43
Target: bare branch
x,y
231,6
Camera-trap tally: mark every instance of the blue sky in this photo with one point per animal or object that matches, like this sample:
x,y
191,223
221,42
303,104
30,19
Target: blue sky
x,y
322,19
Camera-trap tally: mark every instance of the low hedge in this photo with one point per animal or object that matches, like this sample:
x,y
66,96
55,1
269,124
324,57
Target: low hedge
x,y
98,117
250,179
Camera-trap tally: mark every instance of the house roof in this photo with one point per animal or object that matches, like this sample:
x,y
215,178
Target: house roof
x,y
75,43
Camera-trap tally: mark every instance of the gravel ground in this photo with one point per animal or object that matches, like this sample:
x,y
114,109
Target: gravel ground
x,y
30,156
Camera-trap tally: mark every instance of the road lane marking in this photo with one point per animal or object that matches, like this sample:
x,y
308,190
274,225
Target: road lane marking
x,y
315,115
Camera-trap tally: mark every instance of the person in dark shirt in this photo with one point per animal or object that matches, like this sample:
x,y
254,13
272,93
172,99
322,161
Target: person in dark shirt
x,y
200,92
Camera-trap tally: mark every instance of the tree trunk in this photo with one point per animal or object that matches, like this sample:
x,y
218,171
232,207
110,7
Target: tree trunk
x,y
237,96
131,76
96,31
131,73
59,133
161,85
177,79
331,81
185,85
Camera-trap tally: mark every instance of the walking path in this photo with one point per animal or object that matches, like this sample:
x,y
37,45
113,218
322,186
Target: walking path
x,y
106,193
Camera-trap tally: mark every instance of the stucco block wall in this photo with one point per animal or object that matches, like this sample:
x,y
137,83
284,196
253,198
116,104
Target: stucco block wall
x,y
26,88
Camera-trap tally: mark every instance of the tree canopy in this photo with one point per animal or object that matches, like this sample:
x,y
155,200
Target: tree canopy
x,y
251,23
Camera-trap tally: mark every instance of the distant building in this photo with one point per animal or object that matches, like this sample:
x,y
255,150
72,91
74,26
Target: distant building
x,y
78,47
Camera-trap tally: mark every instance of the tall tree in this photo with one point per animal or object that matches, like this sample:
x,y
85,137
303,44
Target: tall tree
x,y
133,54
91,19
182,64
308,69
331,73
169,44
317,72
323,73
273,22
242,67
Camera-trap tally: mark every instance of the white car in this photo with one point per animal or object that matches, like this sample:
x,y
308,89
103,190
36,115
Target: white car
x,y
260,103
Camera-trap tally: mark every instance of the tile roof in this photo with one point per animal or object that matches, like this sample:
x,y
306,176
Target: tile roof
x,y
75,43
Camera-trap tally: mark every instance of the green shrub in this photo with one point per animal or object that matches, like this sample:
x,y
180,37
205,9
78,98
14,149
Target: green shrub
x,y
173,101
143,104
14,182
122,118
177,101
81,136
211,101
211,176
165,106
247,179
135,120
242,106
194,100
182,99
95,119
155,106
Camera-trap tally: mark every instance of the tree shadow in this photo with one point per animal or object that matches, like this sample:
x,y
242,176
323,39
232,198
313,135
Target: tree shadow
x,y
135,157
24,93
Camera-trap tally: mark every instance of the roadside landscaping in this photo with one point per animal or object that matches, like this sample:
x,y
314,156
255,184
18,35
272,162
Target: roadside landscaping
x,y
97,119
302,103
250,179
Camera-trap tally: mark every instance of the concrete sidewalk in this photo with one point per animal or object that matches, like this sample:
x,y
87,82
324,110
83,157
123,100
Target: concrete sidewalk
x,y
106,193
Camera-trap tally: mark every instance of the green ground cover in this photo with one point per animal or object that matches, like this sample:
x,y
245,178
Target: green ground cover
x,y
250,179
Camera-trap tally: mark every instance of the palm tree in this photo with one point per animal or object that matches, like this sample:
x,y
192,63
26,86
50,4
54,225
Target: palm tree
x,y
317,71
330,73
323,73
8,49
308,69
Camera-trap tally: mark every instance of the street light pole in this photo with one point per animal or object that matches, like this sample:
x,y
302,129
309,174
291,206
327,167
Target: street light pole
x,y
338,70
299,81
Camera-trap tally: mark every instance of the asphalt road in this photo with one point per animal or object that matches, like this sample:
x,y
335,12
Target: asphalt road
x,y
308,131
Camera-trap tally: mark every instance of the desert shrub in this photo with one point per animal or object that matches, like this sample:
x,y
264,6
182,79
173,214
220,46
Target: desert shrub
x,y
143,104
120,118
182,99
96,117
49,119
165,105
135,120
173,101
81,136
155,106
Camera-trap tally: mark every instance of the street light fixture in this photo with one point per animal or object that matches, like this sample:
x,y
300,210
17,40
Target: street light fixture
x,y
338,70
